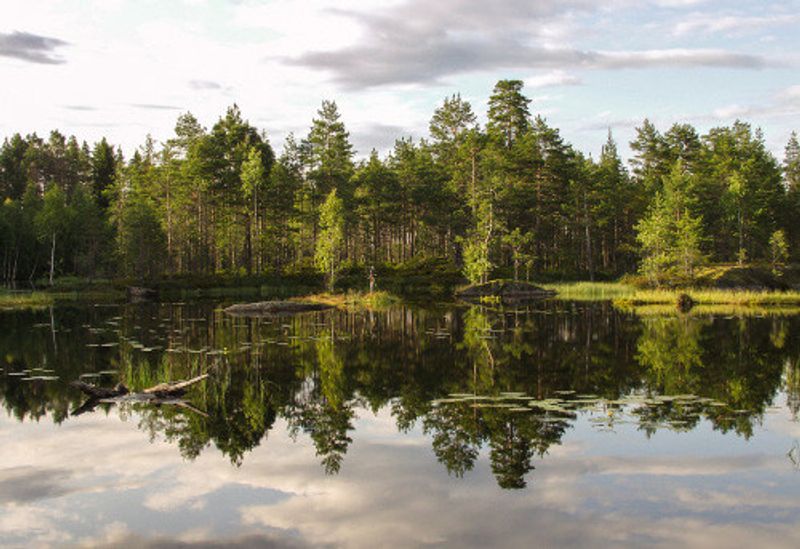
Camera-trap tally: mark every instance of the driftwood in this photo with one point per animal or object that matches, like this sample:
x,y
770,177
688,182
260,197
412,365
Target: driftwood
x,y
163,393
173,389
266,308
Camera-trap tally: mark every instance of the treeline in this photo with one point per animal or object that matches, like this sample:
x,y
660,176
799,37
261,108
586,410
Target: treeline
x,y
511,199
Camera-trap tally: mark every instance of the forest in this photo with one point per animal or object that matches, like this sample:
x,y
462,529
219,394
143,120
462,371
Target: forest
x,y
508,199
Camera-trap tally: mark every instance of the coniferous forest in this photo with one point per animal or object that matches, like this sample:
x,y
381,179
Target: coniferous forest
x,y
509,199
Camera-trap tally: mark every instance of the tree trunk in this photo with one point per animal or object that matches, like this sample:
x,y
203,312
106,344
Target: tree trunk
x,y
52,258
588,236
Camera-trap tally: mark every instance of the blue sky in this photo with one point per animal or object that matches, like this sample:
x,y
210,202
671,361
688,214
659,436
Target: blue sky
x,y
123,69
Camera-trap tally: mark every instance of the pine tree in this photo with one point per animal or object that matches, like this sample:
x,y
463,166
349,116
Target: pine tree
x,y
791,179
448,126
253,182
791,163
509,115
104,168
328,151
650,162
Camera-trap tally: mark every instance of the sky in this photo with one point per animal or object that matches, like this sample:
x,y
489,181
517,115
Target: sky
x,y
124,69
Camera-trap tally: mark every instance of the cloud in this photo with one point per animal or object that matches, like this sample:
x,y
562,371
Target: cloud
x,y
791,93
551,79
204,85
80,108
32,48
678,3
419,42
380,137
704,24
27,484
676,57
783,104
356,67
155,106
271,540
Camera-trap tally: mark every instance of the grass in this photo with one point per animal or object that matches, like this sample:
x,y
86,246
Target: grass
x,y
590,291
25,300
720,309
46,298
644,302
712,297
367,300
628,294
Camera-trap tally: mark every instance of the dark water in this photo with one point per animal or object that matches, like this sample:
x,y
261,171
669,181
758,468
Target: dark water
x,y
564,424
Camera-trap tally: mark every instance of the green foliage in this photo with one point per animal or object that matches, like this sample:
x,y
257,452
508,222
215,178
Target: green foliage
x,y
141,240
477,265
778,250
331,237
328,153
522,250
508,196
670,236
509,113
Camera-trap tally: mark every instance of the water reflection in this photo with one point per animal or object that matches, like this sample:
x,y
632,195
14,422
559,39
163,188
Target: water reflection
x,y
510,382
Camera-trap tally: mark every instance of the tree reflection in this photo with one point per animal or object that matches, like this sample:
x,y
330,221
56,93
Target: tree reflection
x,y
510,382
323,410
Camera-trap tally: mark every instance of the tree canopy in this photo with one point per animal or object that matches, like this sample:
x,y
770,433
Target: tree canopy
x,y
511,198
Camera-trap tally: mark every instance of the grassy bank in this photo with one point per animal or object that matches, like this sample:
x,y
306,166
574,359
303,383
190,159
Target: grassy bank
x,y
626,293
712,297
719,309
590,291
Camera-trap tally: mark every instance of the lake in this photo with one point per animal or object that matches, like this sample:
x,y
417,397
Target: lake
x,y
556,424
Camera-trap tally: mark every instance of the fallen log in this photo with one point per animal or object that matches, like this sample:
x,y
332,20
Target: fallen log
x,y
162,390
163,393
101,392
174,388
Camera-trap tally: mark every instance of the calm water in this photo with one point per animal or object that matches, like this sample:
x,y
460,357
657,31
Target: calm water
x,y
562,424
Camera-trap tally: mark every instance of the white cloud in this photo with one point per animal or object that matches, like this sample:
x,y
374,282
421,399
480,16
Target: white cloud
x,y
387,64
713,23
553,78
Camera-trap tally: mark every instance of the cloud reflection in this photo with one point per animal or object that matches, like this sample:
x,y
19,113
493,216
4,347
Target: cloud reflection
x,y
391,491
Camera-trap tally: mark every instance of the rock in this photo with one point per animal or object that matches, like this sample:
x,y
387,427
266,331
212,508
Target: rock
x,y
266,308
505,290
